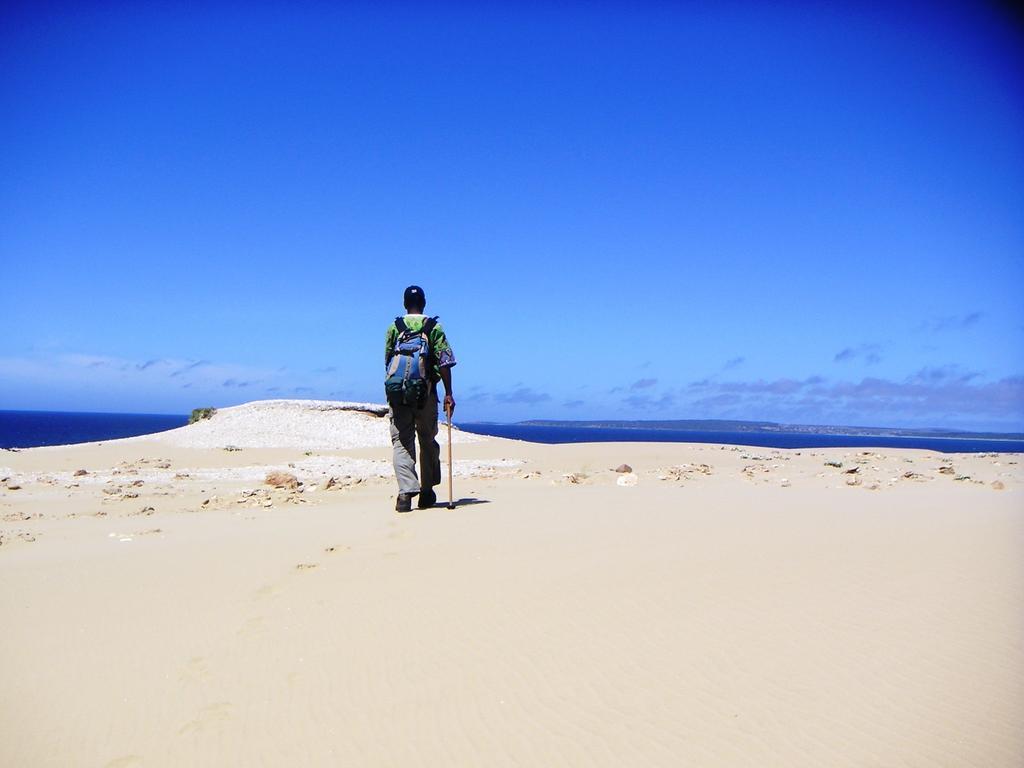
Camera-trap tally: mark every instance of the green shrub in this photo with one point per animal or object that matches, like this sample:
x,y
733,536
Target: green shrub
x,y
198,414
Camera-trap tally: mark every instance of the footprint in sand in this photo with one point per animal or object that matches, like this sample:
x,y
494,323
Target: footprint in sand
x,y
209,718
269,590
124,762
252,626
195,670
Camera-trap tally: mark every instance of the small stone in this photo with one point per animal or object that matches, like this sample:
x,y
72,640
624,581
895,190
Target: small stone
x,y
853,481
80,472
997,485
852,471
628,480
836,464
947,470
282,480
623,468
14,487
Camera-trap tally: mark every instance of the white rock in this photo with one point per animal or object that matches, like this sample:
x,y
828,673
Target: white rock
x,y
307,424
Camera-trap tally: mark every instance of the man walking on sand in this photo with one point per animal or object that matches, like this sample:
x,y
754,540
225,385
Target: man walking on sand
x,y
416,356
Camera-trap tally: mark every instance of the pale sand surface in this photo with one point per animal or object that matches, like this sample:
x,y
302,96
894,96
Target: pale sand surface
x,y
757,611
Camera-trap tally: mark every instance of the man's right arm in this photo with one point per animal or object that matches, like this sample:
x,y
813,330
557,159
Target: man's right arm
x,y
389,345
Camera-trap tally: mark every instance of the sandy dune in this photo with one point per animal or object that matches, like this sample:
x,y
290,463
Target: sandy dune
x,y
733,607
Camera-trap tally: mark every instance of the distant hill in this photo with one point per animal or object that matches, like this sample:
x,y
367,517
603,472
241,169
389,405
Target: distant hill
x,y
762,427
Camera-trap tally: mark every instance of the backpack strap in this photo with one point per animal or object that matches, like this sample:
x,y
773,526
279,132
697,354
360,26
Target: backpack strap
x,y
428,325
400,325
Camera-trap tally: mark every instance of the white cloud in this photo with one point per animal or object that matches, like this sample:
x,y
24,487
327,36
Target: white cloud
x,y
158,379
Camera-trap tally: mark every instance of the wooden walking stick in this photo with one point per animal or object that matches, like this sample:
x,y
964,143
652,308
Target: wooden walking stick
x,y
451,498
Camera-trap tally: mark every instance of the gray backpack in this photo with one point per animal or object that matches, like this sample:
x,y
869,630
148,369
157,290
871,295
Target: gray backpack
x,y
407,379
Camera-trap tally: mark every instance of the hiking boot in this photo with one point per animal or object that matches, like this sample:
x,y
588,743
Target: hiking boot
x,y
404,503
427,498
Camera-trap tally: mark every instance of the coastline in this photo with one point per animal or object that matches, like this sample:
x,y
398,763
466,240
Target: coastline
x,y
767,434
768,439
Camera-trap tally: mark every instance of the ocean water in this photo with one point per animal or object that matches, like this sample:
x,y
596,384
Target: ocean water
x,y
27,429
560,434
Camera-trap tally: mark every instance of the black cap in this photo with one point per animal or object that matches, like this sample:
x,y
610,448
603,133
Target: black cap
x,y
414,296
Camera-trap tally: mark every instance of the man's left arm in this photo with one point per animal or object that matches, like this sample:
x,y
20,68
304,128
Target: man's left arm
x,y
449,398
445,362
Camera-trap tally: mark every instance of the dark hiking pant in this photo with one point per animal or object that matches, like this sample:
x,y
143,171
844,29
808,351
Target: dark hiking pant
x,y
409,426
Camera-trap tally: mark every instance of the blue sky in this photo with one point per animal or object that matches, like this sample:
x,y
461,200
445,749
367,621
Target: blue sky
x,y
717,210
